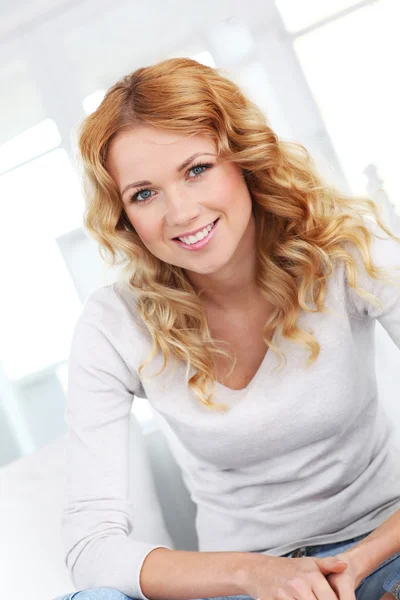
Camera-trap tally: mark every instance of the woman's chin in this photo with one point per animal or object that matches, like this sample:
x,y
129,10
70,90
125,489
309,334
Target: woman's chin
x,y
204,270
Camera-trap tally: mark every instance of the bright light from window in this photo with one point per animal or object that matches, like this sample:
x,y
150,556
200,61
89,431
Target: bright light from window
x,y
355,86
233,41
46,192
297,15
38,304
93,101
205,58
31,143
253,79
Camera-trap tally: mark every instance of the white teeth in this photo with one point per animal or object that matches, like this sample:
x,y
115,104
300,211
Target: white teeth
x,y
192,239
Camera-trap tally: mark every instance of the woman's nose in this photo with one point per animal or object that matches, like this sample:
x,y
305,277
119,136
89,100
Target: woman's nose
x,y
180,210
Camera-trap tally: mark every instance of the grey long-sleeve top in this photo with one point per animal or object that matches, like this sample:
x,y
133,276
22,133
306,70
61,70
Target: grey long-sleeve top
x,y
304,456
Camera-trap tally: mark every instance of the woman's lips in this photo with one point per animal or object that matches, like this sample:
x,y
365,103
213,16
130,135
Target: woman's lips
x,y
201,243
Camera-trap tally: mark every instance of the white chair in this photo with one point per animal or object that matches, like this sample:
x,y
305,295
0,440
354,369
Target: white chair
x,y
31,499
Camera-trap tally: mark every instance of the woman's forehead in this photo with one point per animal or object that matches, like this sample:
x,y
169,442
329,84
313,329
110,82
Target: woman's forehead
x,y
143,153
159,138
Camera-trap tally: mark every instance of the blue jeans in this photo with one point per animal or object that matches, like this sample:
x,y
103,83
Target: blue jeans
x,y
385,578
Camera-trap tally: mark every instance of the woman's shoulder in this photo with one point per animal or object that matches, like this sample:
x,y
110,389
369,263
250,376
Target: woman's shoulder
x,y
110,311
110,303
384,249
384,253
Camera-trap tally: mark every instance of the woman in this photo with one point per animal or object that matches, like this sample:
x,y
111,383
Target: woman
x,y
238,263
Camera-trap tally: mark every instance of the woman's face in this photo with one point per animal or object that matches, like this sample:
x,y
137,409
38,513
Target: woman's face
x,y
172,187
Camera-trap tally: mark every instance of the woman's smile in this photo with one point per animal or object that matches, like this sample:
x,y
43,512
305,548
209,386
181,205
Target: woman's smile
x,y
199,240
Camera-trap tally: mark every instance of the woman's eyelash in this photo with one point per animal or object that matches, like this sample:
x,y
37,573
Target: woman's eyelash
x,y
134,197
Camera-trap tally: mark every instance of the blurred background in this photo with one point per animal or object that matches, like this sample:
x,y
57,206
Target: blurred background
x,y
324,72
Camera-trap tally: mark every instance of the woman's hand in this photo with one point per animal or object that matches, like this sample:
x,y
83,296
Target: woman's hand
x,y
344,584
280,578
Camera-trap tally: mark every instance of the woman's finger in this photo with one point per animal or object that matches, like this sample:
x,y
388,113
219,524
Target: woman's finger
x,y
330,564
324,591
342,587
302,590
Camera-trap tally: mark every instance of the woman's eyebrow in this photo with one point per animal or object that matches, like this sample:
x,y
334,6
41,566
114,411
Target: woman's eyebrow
x,y
187,162
178,170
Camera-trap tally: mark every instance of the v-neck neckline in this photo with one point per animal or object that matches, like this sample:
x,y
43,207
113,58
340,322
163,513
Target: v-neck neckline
x,y
265,360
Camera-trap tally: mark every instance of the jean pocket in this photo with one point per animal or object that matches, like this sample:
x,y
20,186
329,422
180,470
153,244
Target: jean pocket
x,y
392,582
383,564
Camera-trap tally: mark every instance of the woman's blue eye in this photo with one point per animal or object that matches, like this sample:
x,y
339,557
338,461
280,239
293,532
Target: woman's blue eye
x,y
141,192
201,168
135,197
198,167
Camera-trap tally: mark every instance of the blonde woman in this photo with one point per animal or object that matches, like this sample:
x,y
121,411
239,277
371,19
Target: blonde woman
x,y
245,313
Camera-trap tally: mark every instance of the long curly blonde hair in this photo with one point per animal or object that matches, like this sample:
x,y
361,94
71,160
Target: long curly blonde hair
x,y
301,222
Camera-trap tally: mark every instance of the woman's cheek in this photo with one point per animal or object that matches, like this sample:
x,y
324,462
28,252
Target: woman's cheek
x,y
148,233
143,223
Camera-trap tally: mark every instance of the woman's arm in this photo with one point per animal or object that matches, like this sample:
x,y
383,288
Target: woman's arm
x,y
181,574
371,551
98,516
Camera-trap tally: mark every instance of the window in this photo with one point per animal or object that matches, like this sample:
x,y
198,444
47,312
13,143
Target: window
x,y
39,304
298,15
20,99
27,145
354,84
